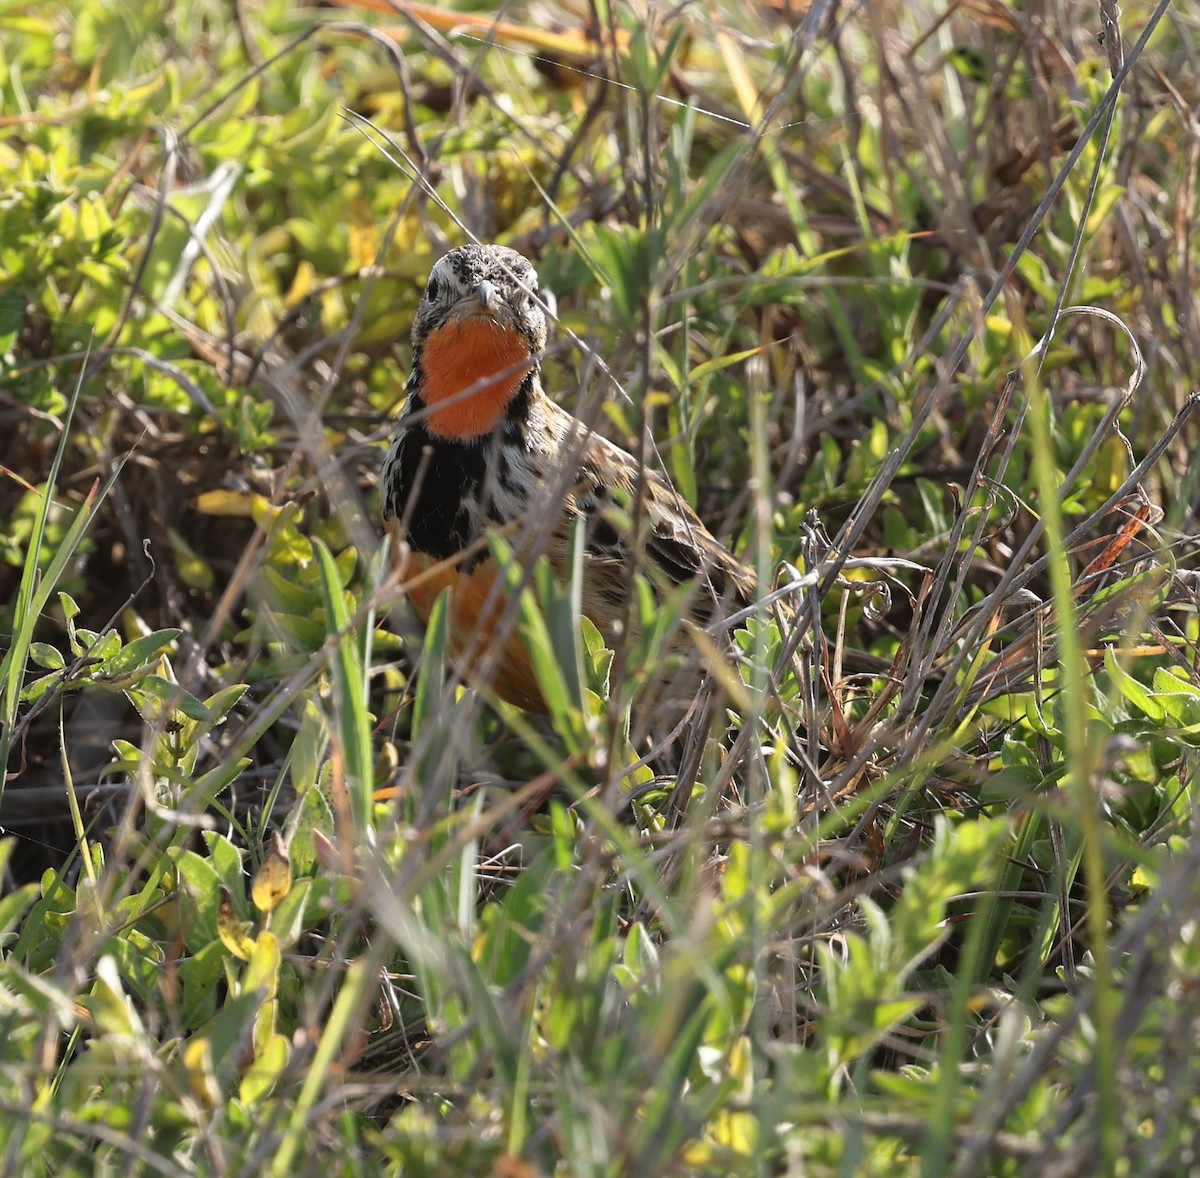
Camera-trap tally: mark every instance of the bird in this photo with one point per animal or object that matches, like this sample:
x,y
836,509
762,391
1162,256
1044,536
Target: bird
x,y
479,444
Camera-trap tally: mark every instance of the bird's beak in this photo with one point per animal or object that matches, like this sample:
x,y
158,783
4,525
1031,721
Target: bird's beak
x,y
483,301
487,295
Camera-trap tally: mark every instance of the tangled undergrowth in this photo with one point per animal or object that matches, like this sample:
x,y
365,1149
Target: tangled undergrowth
x,y
901,299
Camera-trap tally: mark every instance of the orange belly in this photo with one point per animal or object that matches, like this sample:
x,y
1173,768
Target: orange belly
x,y
475,616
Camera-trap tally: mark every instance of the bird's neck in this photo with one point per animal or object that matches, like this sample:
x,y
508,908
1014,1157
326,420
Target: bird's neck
x,y
468,375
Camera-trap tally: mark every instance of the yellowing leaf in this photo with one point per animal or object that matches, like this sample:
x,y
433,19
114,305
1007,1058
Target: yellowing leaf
x,y
1106,200
739,75
303,283
263,969
233,503
719,362
273,880
194,571
232,931
268,1065
362,233
197,1060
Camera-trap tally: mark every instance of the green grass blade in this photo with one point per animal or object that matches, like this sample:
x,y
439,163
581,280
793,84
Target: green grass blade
x,y
352,722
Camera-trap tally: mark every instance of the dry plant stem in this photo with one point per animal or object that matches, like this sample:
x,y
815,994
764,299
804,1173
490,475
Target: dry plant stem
x,y
698,735
1139,942
199,238
1011,580
170,164
1130,485
467,74
1016,585
949,696
645,345
687,727
185,383
856,524
930,638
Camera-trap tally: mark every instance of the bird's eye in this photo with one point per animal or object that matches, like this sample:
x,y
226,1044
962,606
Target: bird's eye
x,y
431,289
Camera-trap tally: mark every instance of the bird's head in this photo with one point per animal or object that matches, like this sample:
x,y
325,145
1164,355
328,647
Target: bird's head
x,y
478,334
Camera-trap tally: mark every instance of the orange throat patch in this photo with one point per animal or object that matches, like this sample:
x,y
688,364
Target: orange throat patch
x,y
475,351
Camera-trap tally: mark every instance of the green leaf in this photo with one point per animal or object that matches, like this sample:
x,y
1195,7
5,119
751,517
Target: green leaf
x,y
111,1008
14,902
139,653
288,917
1179,699
203,886
307,749
210,784
200,974
1134,692
432,682
227,860
219,703
47,656
156,698
268,1065
353,721
42,996
35,690
718,362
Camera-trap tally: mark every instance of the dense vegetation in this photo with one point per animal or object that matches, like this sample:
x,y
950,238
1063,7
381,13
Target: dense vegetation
x,y
905,882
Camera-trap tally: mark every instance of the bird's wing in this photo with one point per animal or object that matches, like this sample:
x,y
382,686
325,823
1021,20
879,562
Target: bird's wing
x,y
679,546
